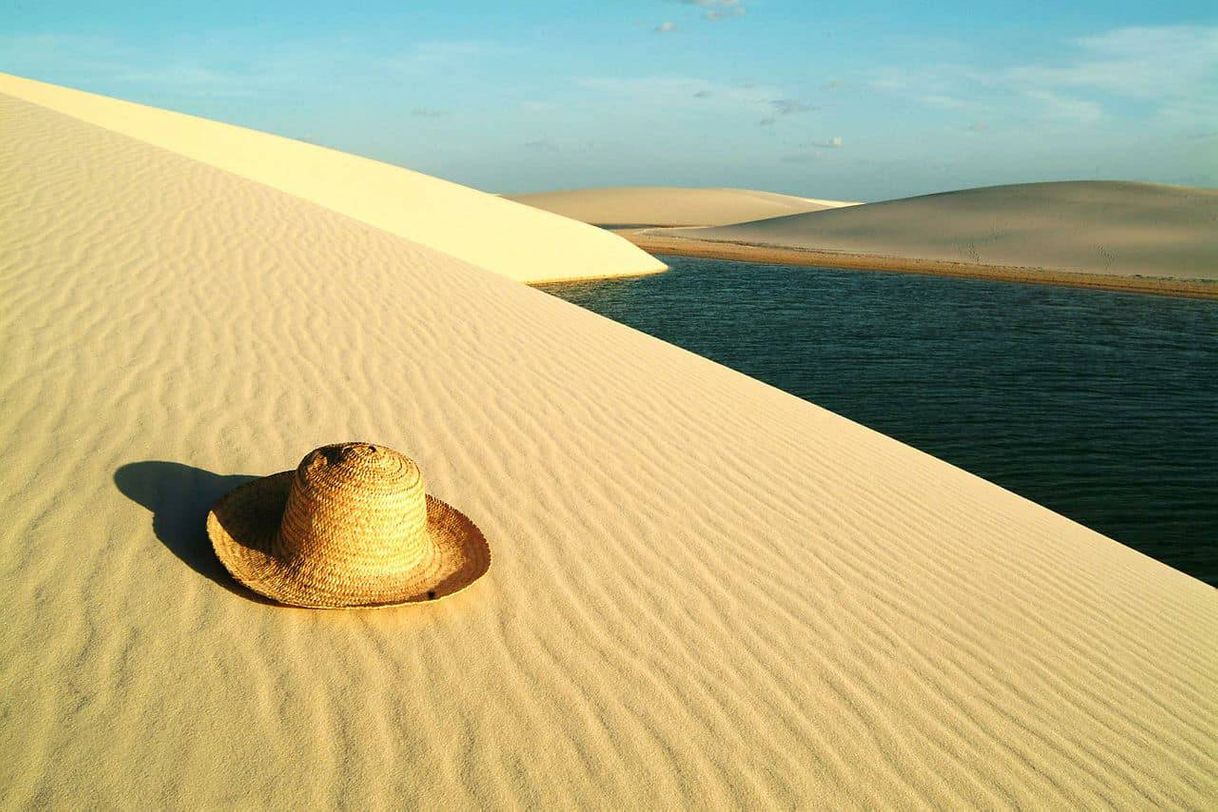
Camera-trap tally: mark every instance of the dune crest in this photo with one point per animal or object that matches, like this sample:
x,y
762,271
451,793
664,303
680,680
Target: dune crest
x,y
706,592
517,241
1096,227
635,206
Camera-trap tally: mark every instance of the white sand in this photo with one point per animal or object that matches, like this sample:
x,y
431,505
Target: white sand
x,y
705,591
517,241
1103,227
625,206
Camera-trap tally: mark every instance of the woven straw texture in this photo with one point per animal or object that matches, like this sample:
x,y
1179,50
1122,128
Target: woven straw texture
x,y
352,526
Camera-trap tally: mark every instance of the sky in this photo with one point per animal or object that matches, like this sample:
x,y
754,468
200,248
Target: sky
x,y
861,101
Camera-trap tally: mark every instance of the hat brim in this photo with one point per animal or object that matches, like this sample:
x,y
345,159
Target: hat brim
x,y
243,525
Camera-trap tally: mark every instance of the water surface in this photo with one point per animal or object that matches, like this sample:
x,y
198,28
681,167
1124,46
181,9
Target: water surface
x,y
1099,405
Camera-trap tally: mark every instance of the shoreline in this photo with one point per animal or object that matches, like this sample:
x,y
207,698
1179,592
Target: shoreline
x,y
750,252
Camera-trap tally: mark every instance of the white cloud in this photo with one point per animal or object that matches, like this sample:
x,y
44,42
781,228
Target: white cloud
x,y
767,103
945,102
814,150
195,80
1142,62
1171,68
790,107
21,50
718,9
215,65
183,69
666,27
537,106
1055,105
675,89
425,58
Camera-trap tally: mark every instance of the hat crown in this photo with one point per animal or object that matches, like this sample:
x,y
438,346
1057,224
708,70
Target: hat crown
x,y
356,511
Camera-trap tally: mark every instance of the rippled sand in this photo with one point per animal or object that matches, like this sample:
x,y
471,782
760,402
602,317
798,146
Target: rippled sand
x,y
514,240
705,591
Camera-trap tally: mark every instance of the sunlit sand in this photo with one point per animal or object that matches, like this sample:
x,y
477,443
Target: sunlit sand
x,y
705,591
672,206
1088,228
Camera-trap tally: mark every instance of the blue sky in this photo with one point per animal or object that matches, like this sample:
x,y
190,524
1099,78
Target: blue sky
x,y
861,100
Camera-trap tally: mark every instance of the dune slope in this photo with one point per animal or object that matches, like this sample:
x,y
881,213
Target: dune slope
x,y
1098,227
671,206
704,591
517,241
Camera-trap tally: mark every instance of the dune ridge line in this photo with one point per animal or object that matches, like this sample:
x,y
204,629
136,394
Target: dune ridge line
x,y
1115,229
623,206
517,241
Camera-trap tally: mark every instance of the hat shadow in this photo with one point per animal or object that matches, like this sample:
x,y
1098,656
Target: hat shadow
x,y
179,497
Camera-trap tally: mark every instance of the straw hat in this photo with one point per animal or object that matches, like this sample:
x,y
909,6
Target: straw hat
x,y
351,526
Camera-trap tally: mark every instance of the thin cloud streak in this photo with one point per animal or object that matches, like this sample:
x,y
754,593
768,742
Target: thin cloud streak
x,y
1169,67
716,10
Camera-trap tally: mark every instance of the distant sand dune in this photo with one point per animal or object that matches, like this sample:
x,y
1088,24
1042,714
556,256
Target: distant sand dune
x,y
1096,227
706,592
632,206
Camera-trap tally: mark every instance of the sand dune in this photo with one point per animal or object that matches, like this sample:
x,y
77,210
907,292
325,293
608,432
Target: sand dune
x,y
517,241
627,206
705,591
1097,227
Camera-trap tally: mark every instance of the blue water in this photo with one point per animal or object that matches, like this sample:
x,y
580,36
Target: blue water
x,y
1102,406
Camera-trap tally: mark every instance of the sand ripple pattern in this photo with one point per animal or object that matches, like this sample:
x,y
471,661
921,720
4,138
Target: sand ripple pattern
x,y
705,591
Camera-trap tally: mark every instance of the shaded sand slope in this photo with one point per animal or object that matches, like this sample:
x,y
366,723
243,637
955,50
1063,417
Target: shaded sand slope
x,y
1101,227
517,241
704,590
671,205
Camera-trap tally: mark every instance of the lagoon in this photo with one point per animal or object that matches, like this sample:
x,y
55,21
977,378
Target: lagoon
x,y
1099,405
